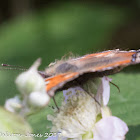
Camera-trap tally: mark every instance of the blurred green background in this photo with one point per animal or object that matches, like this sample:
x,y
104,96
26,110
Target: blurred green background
x,y
30,29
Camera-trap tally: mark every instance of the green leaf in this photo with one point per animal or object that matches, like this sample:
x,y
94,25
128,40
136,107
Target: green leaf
x,y
126,104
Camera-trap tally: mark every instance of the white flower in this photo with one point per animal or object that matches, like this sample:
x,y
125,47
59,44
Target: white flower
x,y
13,104
82,117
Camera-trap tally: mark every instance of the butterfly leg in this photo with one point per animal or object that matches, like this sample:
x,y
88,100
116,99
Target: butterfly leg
x,y
55,103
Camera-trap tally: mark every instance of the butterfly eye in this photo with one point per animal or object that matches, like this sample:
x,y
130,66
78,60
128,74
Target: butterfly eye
x,y
136,57
133,58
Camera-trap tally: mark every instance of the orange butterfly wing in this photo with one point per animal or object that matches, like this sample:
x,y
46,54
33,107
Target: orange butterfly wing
x,y
54,82
104,60
96,62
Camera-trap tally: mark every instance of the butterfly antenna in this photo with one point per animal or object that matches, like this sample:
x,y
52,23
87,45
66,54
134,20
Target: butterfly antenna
x,y
115,86
13,67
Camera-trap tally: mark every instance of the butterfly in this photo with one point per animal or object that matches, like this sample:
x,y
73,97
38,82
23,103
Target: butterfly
x,y
72,72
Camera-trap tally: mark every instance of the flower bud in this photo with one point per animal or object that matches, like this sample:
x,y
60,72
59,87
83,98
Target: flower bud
x,y
13,104
38,99
31,80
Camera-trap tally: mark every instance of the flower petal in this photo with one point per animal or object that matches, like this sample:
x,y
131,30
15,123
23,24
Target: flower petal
x,y
110,128
103,92
106,112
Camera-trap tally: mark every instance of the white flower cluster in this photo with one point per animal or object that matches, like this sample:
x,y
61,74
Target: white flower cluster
x,y
82,117
32,87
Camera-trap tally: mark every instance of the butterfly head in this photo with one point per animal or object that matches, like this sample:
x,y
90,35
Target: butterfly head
x,y
136,57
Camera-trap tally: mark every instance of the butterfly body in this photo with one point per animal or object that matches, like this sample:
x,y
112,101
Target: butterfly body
x,y
71,72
